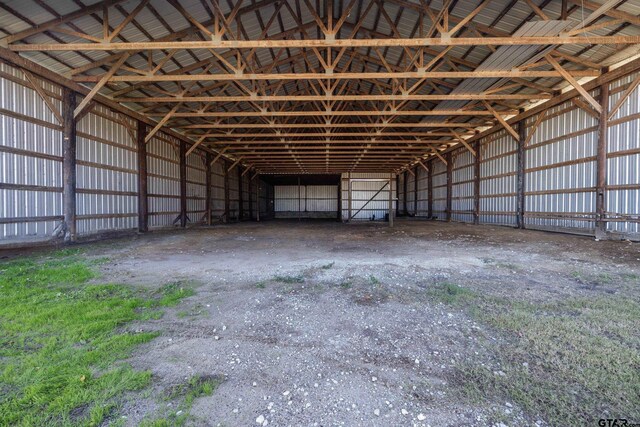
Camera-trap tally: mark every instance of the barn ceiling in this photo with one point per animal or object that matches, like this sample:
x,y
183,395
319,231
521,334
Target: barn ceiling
x,y
311,86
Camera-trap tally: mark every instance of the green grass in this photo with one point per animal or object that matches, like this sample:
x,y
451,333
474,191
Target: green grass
x,y
299,278
327,266
374,280
185,394
572,361
261,285
61,340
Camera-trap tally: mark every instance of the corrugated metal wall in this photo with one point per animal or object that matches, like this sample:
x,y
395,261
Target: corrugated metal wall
x,y
163,166
423,193
30,159
623,164
196,187
439,180
462,186
234,194
106,172
559,191
560,171
362,192
411,192
314,201
498,179
217,190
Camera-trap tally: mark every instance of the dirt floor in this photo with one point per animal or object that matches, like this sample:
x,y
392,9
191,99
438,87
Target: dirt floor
x,y
321,323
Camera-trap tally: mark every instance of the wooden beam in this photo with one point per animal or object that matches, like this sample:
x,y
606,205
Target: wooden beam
x,y
520,173
326,125
143,202
162,122
391,200
239,76
326,113
574,83
234,163
476,183
194,146
87,99
183,184
207,196
41,93
220,153
320,98
449,205
69,165
601,164
632,86
502,121
463,142
127,20
49,25
227,202
325,43
430,190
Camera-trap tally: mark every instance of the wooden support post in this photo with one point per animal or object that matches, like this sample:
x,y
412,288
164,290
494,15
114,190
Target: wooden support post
x,y
339,210
601,164
250,192
226,192
449,184
520,184
404,192
415,192
240,196
391,198
299,201
143,202
349,196
183,184
69,164
397,191
258,199
207,202
476,184
430,191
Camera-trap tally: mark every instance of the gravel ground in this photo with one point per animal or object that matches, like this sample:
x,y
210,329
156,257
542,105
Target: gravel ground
x,y
320,323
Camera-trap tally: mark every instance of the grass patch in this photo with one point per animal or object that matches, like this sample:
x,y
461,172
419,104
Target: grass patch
x,y
327,266
450,293
61,341
571,362
374,280
345,285
171,293
185,394
261,285
290,279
